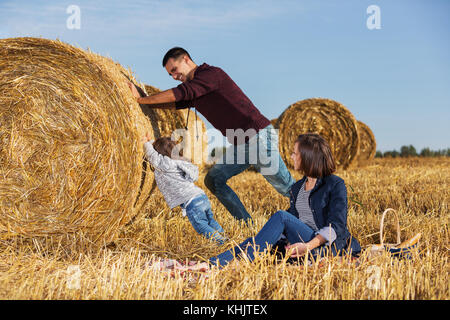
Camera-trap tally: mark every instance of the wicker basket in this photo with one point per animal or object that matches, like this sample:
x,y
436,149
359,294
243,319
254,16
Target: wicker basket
x,y
398,249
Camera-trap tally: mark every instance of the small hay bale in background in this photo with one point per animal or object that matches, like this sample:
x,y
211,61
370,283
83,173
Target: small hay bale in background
x,y
323,116
367,143
70,142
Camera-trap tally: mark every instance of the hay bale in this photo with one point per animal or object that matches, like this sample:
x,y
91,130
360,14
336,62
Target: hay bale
x,y
119,74
367,144
274,123
71,152
326,117
164,121
195,146
195,139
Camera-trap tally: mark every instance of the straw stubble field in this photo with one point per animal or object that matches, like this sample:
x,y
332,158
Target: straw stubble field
x,y
418,189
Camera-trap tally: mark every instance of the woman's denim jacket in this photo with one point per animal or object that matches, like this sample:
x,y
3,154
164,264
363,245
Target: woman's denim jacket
x,y
328,202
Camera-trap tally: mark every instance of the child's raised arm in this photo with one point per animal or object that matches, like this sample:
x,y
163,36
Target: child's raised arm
x,y
152,155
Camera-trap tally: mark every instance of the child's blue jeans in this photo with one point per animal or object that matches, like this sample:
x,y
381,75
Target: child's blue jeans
x,y
201,217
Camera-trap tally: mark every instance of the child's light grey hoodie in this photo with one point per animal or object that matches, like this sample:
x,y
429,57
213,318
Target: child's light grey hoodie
x,y
174,178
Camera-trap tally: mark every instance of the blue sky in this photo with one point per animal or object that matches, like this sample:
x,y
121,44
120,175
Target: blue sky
x,y
395,79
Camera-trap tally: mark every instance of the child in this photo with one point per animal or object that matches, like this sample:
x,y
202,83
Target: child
x,y
175,178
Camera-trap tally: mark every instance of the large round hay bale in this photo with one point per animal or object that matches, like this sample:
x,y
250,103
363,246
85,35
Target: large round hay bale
x,y
71,155
326,117
194,140
119,74
367,143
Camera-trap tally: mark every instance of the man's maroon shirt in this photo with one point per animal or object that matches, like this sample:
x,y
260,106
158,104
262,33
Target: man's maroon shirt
x,y
217,97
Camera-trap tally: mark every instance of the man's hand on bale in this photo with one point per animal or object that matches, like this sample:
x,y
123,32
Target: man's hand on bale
x,y
133,89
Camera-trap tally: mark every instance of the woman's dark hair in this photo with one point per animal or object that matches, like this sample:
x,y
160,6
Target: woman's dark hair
x,y
316,156
165,146
174,53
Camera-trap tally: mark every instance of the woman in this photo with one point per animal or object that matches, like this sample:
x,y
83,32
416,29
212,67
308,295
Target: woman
x,y
317,218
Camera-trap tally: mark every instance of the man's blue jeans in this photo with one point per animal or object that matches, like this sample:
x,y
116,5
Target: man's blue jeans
x,y
202,219
281,222
261,151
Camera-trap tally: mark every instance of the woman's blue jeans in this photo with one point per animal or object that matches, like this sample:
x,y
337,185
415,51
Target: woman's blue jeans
x,y
202,219
261,151
281,222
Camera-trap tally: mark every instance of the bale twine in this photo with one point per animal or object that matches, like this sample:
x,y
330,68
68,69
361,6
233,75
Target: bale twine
x,y
326,117
70,152
194,140
367,143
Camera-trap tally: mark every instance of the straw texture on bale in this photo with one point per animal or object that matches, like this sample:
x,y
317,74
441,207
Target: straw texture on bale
x,y
71,157
323,116
194,140
164,121
117,73
367,143
274,123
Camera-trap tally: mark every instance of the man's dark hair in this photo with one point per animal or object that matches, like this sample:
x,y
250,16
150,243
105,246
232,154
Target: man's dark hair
x,y
174,53
316,156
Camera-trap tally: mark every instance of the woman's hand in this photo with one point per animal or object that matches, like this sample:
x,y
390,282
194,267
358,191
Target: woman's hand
x,y
146,138
300,248
297,249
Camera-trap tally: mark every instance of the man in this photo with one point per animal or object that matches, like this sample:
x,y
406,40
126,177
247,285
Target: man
x,y
217,97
